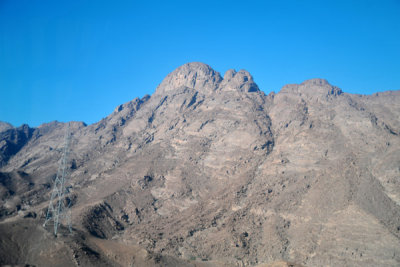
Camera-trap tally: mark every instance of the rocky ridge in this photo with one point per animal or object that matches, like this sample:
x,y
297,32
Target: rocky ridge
x,y
210,171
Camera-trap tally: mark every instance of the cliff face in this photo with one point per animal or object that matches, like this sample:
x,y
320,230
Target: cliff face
x,y
12,140
212,169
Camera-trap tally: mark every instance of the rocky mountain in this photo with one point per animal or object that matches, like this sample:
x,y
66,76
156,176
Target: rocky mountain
x,y
210,171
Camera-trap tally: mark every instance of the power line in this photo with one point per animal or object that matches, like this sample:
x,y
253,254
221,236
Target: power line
x,y
58,211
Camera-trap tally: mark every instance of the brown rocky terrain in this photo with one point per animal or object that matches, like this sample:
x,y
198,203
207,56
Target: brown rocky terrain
x,y
210,171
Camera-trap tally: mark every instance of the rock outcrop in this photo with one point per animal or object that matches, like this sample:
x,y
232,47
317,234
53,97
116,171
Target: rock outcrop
x,y
12,140
196,75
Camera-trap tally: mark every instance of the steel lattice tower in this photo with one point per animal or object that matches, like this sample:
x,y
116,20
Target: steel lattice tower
x,y
58,211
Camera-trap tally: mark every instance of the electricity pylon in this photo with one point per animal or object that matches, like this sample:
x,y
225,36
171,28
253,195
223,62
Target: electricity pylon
x,y
58,210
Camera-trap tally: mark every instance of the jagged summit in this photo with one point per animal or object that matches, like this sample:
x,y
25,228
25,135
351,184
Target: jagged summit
x,y
240,81
195,75
203,78
316,81
312,87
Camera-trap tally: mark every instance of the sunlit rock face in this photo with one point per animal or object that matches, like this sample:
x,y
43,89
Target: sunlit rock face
x,y
209,168
196,75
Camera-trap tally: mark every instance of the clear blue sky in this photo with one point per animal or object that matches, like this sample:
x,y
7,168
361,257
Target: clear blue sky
x,y
77,60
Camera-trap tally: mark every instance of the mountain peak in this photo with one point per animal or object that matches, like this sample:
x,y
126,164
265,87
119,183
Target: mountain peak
x,y
203,78
195,75
5,126
239,81
313,87
316,81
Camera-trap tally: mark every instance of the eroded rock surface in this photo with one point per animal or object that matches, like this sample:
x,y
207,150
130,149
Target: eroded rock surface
x,y
210,171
